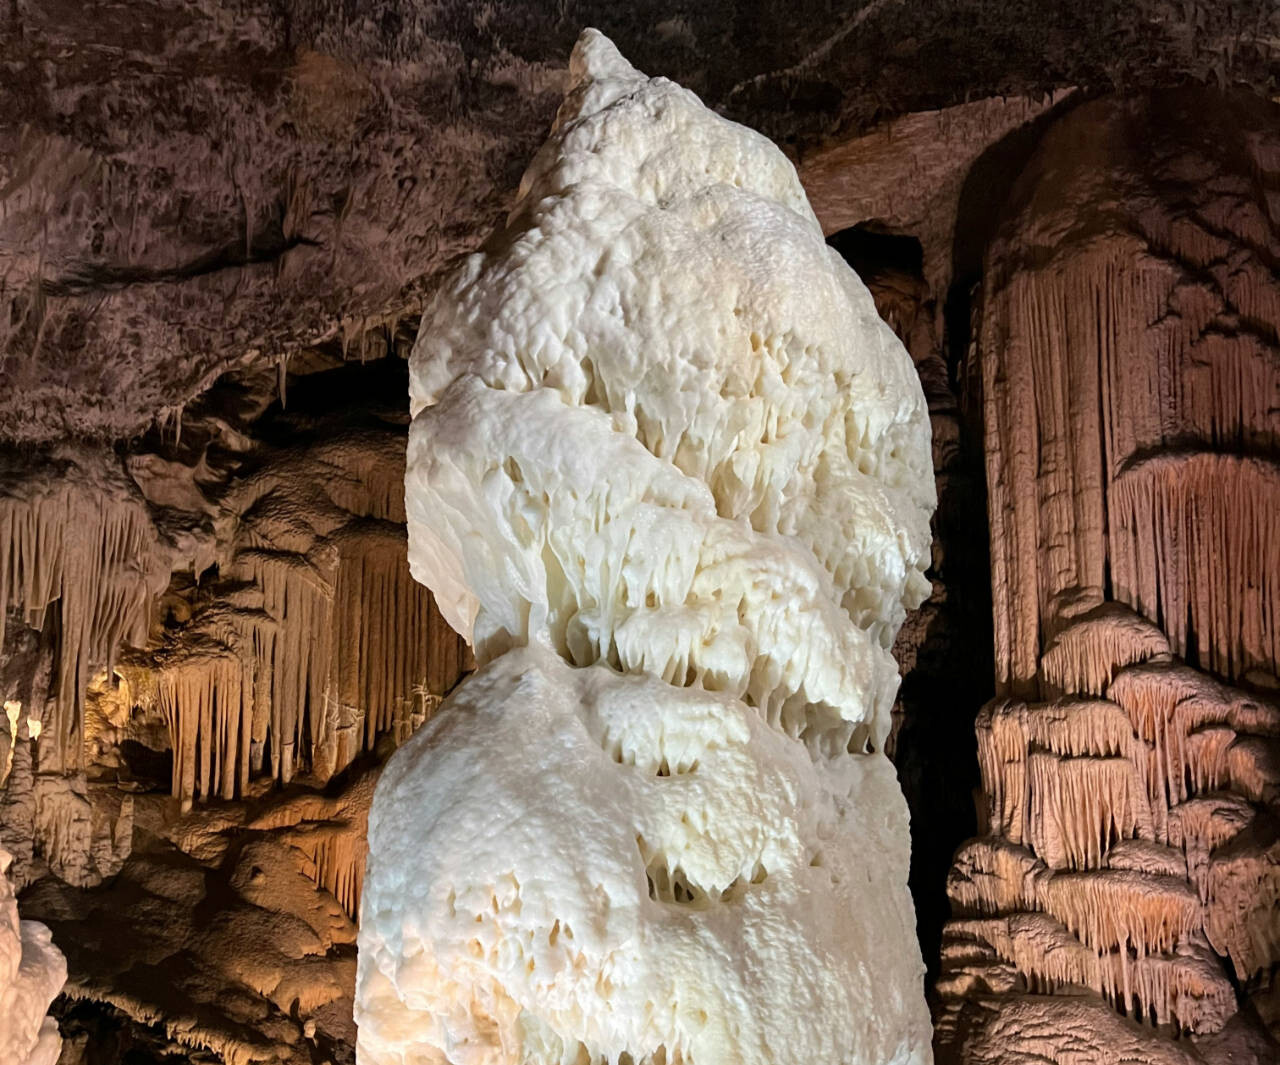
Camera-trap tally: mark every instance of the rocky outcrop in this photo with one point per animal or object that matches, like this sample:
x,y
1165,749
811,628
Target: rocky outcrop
x,y
228,930
1129,764
277,638
213,181
32,971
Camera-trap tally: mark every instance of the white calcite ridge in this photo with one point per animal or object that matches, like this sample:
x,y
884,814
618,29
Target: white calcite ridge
x,y
32,972
670,473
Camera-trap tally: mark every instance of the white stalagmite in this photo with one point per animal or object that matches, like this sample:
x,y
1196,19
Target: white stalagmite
x,y
671,475
32,972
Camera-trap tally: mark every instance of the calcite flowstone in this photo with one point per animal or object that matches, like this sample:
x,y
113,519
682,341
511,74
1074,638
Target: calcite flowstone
x,y
32,972
670,473
1130,388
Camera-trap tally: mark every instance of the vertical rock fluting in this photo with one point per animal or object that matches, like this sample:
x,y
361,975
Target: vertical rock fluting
x,y
241,606
80,566
76,536
671,473
319,642
1130,351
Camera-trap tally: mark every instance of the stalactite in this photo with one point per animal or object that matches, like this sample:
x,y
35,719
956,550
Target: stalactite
x,y
1078,805
337,864
294,651
1086,655
327,646
1129,388
385,630
1196,545
329,663
85,545
208,703
1106,909
1096,469
1125,909
1197,733
1111,840
1080,748
1201,826
1243,898
992,875
1186,988
331,832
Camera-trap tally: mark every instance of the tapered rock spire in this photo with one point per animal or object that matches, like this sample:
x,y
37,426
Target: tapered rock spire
x,y
671,474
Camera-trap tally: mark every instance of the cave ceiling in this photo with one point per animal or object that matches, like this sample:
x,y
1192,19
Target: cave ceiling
x,y
186,186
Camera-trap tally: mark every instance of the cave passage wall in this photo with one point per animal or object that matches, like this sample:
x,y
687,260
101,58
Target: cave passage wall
x,y
220,224
1130,385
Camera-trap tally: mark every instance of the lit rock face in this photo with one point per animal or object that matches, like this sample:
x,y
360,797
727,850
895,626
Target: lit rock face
x,y
671,474
32,972
1131,762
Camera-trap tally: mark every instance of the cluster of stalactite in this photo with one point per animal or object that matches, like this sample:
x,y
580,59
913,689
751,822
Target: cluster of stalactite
x,y
79,553
336,656
1142,368
1131,760
246,621
1104,864
315,641
329,832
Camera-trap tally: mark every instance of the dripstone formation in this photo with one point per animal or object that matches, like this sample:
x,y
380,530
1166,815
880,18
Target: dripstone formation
x,y
1130,389
670,474
32,971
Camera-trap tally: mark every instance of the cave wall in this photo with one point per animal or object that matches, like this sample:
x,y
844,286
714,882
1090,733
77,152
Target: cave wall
x,y
1130,390
213,644
220,222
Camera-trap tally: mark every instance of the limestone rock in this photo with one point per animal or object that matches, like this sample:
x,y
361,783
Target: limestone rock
x,y
229,931
1130,762
671,473
32,972
635,869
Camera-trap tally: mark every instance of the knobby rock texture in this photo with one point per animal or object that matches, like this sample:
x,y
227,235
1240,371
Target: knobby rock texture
x,y
32,971
188,185
670,473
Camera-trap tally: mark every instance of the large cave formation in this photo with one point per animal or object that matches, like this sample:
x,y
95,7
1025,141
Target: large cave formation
x,y
221,222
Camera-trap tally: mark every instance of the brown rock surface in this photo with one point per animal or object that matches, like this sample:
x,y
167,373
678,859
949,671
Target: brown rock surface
x,y
1130,389
187,185
203,594
275,636
166,942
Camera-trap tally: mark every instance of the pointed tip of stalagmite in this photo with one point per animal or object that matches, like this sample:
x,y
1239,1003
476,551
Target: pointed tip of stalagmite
x,y
595,57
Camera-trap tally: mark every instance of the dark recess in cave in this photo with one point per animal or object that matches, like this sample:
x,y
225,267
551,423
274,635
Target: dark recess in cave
x,y
948,667
872,251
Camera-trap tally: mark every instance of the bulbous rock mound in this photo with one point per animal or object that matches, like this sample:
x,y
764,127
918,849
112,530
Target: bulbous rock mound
x,y
596,864
32,972
671,475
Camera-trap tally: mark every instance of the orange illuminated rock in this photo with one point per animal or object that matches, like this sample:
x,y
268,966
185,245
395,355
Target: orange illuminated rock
x,y
1130,763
